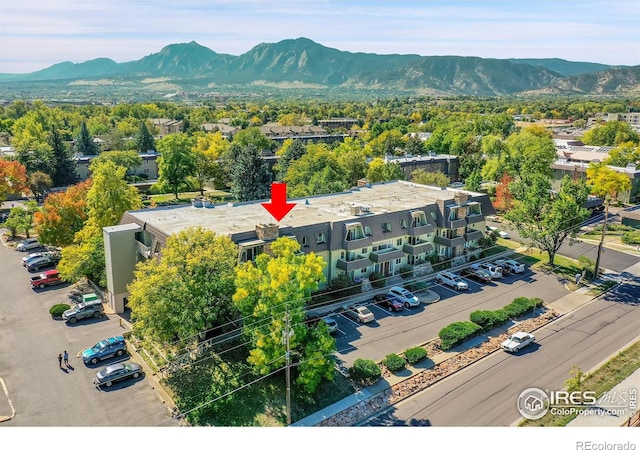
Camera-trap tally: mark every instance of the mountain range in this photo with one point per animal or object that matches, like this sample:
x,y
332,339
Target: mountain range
x,y
304,64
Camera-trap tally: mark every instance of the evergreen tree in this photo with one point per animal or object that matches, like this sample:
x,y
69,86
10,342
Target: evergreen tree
x,y
250,176
144,139
84,143
291,153
64,173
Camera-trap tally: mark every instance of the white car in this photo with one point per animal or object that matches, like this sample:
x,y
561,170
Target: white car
x,y
517,341
359,313
495,271
502,234
452,280
515,266
405,296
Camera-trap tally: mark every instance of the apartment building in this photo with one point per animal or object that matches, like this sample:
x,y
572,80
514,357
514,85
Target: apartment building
x,y
374,228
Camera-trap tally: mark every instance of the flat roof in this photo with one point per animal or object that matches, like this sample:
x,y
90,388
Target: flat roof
x,y
232,218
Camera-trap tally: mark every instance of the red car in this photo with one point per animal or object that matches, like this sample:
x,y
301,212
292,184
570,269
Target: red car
x,y
388,302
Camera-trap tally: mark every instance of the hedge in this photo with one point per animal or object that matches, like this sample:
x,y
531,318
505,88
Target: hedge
x,y
58,309
394,362
457,332
365,371
415,354
377,280
489,319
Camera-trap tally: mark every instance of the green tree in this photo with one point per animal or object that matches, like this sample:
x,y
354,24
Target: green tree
x,y
144,141
65,169
84,142
177,162
545,217
39,183
610,134
531,151
129,159
354,164
21,218
379,170
271,294
624,154
437,178
250,177
188,290
208,150
473,181
316,172
292,150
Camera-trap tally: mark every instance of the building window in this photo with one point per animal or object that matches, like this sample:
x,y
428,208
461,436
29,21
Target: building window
x,y
386,227
399,242
398,261
320,239
363,270
453,214
403,223
418,219
364,250
304,241
354,232
367,230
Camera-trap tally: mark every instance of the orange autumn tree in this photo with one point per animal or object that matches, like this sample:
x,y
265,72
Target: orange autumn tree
x,y
62,215
504,198
13,178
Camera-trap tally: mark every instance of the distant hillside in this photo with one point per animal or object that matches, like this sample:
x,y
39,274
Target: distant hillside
x,y
624,81
304,64
563,67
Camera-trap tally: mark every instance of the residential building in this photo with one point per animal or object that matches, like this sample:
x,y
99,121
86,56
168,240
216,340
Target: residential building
x,y
148,169
632,118
447,164
338,122
374,228
168,126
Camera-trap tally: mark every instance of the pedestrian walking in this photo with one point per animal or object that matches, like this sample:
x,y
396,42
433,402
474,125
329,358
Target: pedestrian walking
x,y
60,359
66,358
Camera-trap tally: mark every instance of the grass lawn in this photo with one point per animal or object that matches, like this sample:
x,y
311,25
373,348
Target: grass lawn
x,y
601,380
208,390
215,195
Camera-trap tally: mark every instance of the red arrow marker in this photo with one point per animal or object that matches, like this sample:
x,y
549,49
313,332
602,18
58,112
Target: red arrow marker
x,y
278,207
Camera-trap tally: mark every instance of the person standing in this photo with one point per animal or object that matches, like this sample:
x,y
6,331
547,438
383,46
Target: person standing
x,y
60,359
66,358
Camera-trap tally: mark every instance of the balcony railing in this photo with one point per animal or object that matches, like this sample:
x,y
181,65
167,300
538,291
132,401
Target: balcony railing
x,y
355,264
420,247
476,218
385,255
355,244
457,223
473,235
421,229
453,242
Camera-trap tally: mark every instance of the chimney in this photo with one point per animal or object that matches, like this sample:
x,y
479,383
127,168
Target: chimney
x,y
267,231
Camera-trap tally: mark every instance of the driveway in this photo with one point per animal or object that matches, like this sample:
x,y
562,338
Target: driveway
x,y
39,392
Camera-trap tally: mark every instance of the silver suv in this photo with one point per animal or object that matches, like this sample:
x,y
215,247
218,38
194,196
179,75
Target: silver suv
x,y
452,280
84,310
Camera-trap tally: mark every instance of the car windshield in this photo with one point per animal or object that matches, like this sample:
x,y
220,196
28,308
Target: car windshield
x,y
100,345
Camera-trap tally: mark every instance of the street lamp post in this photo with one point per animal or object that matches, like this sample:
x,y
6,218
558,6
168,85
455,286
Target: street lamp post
x,y
601,244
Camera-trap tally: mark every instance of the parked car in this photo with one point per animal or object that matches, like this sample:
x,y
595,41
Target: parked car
x,y
27,244
495,271
452,280
388,302
313,320
477,274
515,266
407,298
506,270
31,256
501,233
83,310
117,372
517,341
47,278
359,313
43,262
106,348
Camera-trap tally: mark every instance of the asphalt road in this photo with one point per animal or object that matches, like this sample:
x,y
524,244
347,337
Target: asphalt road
x,y
41,393
485,393
396,332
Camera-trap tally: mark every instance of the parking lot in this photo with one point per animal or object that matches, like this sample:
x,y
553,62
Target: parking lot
x,y
394,332
39,391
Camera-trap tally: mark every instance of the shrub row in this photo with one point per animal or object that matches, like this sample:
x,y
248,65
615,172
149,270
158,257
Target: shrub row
x,y
366,371
488,319
457,332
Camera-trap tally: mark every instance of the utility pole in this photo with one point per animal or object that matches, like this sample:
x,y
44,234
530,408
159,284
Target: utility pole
x,y
286,336
601,244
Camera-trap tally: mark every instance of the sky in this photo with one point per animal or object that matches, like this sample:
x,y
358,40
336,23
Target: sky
x,y
34,34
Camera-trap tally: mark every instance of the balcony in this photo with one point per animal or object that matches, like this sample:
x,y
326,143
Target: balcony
x,y
453,242
457,223
355,264
420,247
355,244
473,235
143,249
385,255
421,229
476,218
